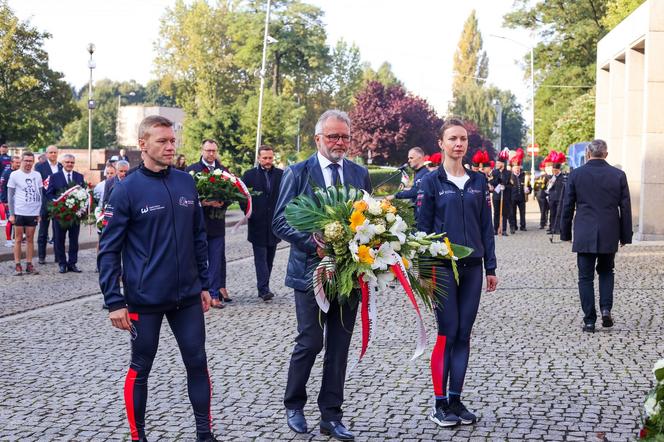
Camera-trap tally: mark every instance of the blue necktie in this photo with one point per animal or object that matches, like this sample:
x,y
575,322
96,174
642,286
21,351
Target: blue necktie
x,y
334,168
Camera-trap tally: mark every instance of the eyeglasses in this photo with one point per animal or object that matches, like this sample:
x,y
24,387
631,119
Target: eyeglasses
x,y
334,138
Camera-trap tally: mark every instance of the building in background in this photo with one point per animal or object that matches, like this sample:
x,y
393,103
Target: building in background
x,y
129,117
628,115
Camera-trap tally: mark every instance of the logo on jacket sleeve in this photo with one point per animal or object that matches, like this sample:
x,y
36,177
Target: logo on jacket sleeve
x,y
184,202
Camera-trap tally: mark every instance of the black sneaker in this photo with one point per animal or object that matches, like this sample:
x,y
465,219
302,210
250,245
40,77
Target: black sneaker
x,y
467,418
444,417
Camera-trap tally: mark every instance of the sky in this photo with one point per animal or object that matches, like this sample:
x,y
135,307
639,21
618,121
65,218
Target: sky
x,y
417,37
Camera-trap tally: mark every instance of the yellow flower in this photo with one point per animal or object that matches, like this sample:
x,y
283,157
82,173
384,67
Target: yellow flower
x,y
356,219
449,246
364,253
385,204
392,209
406,263
360,206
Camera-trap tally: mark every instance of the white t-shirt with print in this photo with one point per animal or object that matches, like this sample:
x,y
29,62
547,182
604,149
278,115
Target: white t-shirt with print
x,y
27,192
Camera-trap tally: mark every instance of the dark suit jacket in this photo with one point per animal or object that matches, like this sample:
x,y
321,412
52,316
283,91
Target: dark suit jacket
x,y
260,224
600,194
44,170
213,226
555,194
58,184
298,179
520,186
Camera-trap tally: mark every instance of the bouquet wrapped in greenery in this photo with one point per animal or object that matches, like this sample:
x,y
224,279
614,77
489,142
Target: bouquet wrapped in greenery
x,y
370,245
71,207
653,422
220,185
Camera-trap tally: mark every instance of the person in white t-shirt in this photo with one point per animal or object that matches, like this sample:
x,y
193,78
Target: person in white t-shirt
x,y
24,197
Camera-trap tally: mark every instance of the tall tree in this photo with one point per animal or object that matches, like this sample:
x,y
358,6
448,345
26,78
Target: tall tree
x,y
474,102
617,10
568,33
388,121
383,75
576,124
471,64
35,101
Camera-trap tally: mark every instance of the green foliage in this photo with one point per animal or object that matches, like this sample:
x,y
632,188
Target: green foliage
x,y
383,75
576,124
565,56
473,102
471,64
378,175
35,102
618,10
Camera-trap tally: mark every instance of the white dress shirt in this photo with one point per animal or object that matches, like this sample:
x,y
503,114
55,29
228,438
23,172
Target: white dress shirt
x,y
327,173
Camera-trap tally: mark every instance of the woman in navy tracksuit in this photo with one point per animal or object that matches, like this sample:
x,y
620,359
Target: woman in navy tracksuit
x,y
456,201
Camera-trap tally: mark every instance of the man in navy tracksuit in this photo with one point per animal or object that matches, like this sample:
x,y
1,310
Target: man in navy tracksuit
x,y
416,162
156,227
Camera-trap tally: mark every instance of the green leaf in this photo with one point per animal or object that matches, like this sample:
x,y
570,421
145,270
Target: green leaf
x,y
461,251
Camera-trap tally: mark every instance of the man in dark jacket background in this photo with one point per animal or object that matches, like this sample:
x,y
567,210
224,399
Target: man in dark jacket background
x,y
46,169
264,179
327,167
416,162
600,194
57,185
215,225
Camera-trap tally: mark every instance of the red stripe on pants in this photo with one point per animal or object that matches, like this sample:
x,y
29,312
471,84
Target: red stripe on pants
x,y
438,365
130,380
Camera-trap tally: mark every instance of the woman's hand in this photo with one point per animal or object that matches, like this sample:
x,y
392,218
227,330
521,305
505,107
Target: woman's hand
x,y
491,283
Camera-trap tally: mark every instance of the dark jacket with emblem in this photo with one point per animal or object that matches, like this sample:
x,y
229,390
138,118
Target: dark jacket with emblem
x,y
155,225
214,225
464,215
298,179
259,230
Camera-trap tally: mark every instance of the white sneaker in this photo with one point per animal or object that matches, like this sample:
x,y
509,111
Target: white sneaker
x,y
9,243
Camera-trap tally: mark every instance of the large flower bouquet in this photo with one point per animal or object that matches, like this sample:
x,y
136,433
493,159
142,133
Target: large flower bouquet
x,y
220,185
71,207
370,245
653,423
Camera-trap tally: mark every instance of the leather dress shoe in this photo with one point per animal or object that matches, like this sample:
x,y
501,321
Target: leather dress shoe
x,y
209,438
62,268
296,421
73,268
336,430
607,320
589,327
42,261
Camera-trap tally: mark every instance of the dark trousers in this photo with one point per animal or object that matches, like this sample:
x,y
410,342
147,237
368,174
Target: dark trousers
x,y
59,234
496,211
308,343
263,259
455,315
42,236
521,206
544,210
586,263
188,326
554,216
216,264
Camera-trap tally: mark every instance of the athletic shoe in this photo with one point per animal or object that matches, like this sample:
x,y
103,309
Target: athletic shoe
x,y
457,407
30,269
18,270
444,417
9,244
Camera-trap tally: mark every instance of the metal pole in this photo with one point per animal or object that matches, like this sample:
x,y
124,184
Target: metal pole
x,y
260,95
532,116
90,117
297,140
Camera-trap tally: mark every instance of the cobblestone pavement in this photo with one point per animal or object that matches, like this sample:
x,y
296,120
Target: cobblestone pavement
x,y
533,374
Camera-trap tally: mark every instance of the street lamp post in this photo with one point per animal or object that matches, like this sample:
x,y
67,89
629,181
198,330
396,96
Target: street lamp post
x,y
532,104
91,103
262,73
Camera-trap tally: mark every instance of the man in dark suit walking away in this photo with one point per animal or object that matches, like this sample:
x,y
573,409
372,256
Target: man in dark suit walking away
x,y
600,194
59,183
325,168
266,179
46,169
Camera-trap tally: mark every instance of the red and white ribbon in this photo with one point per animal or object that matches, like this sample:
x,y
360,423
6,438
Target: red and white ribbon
x,y
244,190
400,272
324,271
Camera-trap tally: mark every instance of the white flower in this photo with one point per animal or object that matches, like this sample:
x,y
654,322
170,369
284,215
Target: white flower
x,y
396,245
399,228
651,406
192,173
217,172
438,248
390,217
375,208
384,279
365,232
385,257
379,229
353,247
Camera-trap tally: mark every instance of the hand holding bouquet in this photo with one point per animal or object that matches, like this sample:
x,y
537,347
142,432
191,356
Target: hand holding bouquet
x,y
71,207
